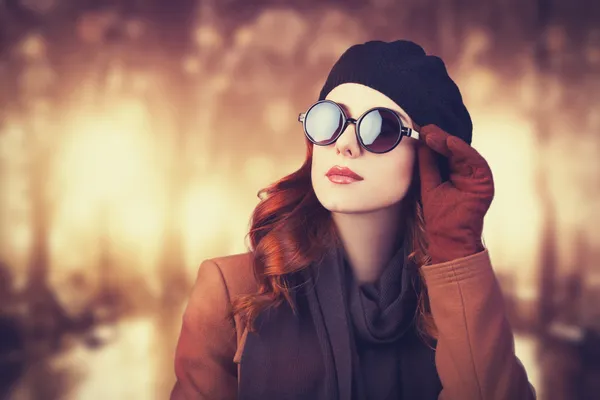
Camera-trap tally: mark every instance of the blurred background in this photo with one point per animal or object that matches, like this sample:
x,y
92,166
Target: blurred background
x,y
135,134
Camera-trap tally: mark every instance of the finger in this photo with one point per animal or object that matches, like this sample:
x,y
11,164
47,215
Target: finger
x,y
464,158
480,184
464,153
435,138
470,173
428,169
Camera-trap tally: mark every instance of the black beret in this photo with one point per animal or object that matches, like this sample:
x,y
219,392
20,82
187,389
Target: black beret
x,y
417,82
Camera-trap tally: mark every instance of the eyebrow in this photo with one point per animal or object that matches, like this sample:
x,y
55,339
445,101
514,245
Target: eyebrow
x,y
402,115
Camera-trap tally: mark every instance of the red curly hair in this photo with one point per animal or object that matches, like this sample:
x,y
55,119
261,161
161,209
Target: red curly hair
x,y
290,230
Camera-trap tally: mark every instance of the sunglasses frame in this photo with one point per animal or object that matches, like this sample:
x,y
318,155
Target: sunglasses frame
x,y
404,131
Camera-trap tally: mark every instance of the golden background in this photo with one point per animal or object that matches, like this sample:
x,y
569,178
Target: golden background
x,y
134,136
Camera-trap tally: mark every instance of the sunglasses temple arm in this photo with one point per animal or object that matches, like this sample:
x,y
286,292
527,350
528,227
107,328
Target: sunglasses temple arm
x,y
410,133
301,117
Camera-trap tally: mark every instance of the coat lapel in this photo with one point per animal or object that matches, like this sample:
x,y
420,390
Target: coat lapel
x,y
279,333
282,359
261,355
333,316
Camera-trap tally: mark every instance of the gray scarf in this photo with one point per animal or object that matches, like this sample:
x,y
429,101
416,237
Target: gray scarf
x,y
370,333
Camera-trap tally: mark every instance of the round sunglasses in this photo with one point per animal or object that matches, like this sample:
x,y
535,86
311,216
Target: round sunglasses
x,y
379,130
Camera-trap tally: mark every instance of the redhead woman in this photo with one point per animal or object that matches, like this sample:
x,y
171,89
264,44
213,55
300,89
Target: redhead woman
x,y
367,276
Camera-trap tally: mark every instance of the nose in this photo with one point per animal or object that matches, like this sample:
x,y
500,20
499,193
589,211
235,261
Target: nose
x,y
347,144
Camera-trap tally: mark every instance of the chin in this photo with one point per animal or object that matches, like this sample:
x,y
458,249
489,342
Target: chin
x,y
355,209
349,204
344,208
355,198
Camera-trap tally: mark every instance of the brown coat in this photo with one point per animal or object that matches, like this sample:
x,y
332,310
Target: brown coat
x,y
475,356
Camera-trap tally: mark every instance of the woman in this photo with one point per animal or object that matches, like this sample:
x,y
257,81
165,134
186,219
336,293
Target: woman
x,y
367,277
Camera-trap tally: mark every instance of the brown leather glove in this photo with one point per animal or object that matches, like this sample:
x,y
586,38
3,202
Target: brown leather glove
x,y
453,209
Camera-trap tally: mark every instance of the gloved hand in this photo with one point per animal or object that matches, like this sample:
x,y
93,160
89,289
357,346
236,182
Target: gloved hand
x,y
454,209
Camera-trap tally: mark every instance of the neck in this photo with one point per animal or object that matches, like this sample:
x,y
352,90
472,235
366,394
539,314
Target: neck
x,y
369,240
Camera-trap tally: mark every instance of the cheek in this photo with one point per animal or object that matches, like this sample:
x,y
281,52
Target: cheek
x,y
319,159
316,167
395,173
400,164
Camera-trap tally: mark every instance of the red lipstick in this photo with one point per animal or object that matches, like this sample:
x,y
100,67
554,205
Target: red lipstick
x,y
342,175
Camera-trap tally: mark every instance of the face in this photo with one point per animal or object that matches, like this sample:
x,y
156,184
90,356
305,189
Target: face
x,y
386,177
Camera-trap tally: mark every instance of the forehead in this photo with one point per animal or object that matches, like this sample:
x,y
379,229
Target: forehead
x,y
356,99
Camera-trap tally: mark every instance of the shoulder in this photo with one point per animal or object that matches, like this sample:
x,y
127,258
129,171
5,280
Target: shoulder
x,y
229,277
218,281
236,272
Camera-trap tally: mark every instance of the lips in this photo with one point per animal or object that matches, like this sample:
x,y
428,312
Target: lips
x,y
339,174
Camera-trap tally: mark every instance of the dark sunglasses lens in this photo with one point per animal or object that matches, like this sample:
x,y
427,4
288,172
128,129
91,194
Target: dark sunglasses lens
x,y
323,123
380,130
